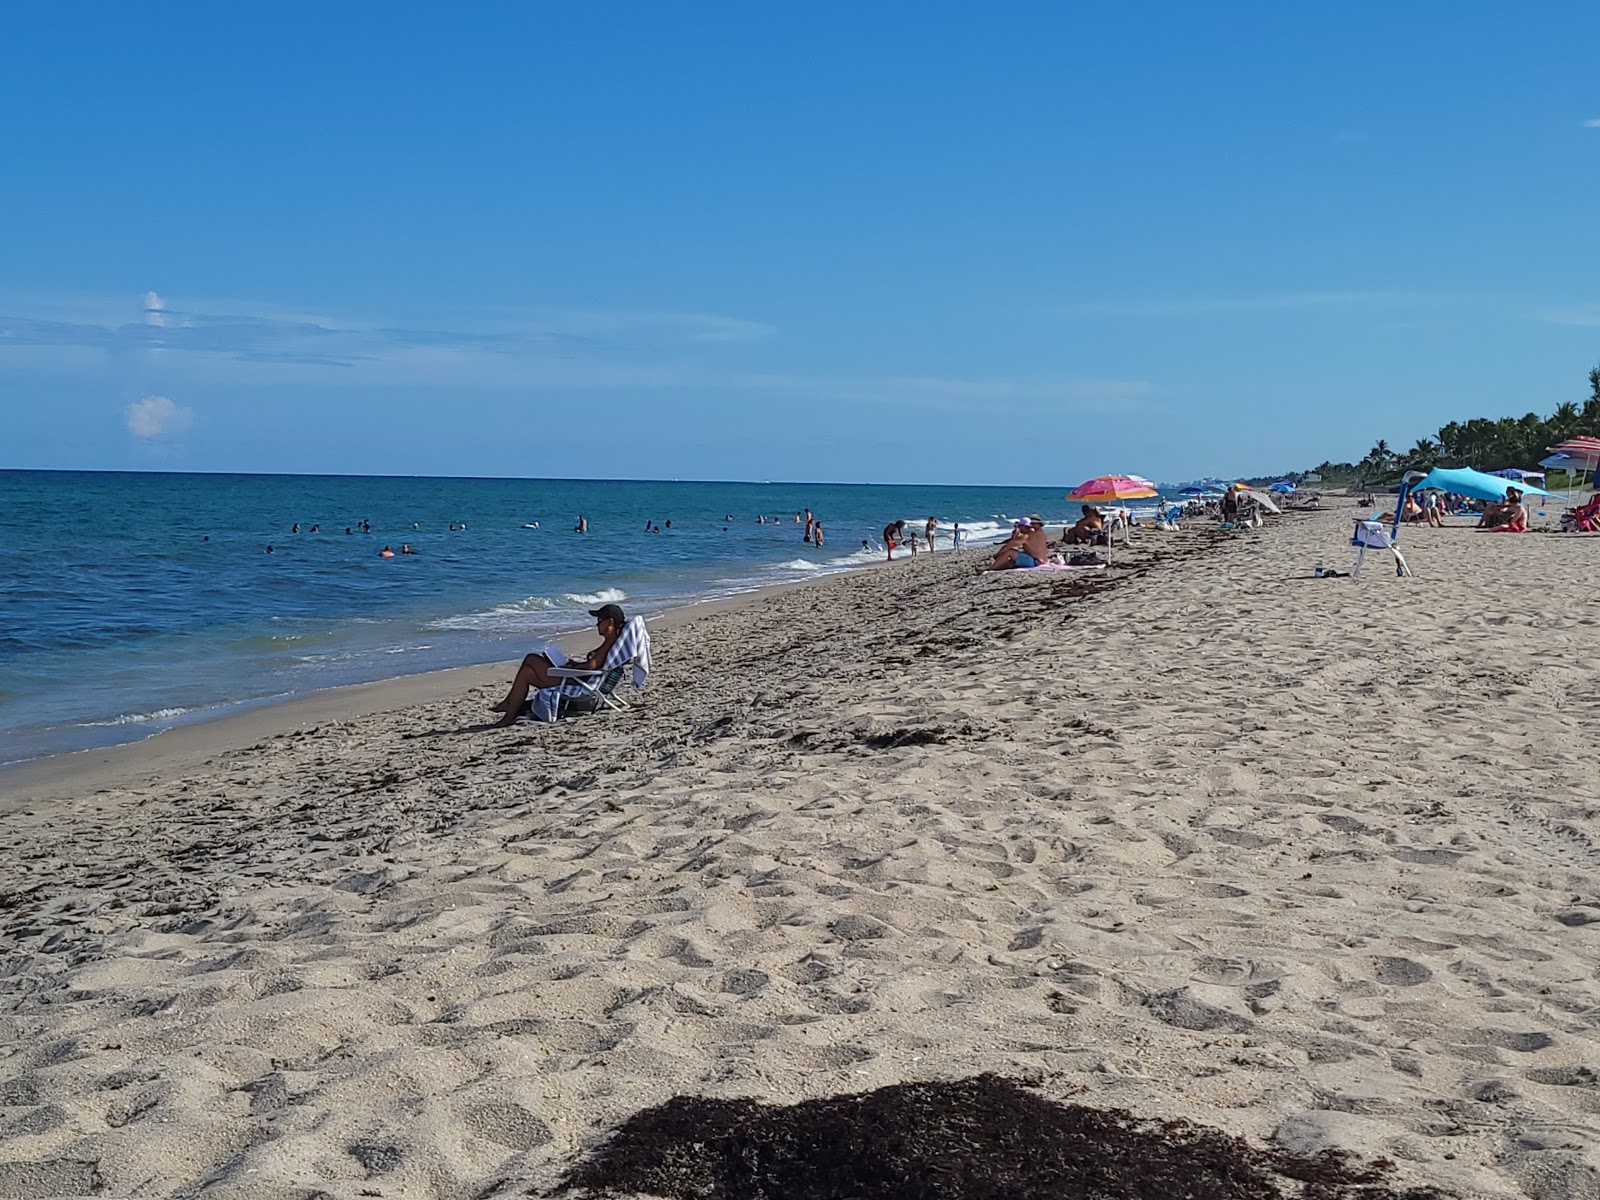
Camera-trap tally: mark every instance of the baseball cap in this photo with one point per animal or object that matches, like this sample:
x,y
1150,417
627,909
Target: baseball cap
x,y
608,612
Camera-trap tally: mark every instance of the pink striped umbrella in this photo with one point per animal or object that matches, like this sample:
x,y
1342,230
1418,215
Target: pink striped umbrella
x,y
1109,489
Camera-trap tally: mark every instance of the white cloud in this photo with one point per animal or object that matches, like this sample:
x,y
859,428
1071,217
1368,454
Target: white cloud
x,y
154,310
1200,306
1584,316
155,416
1592,123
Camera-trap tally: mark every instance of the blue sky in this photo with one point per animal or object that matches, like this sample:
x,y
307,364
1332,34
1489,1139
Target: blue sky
x,y
898,242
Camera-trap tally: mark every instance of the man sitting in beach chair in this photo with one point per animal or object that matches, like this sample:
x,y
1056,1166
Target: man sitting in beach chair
x,y
563,684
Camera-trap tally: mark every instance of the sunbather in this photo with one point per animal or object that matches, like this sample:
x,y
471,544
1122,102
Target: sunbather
x,y
535,670
1508,516
1026,547
1088,529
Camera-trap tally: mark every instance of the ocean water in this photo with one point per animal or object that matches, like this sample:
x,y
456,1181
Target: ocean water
x,y
133,602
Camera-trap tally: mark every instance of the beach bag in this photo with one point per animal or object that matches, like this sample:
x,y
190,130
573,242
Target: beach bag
x,y
546,704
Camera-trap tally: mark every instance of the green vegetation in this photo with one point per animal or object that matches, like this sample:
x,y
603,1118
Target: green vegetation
x,y
1489,445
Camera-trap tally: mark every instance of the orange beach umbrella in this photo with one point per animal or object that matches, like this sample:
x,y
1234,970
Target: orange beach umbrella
x,y
1109,489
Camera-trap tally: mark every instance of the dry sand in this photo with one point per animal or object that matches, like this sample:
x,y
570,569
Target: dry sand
x,y
1305,860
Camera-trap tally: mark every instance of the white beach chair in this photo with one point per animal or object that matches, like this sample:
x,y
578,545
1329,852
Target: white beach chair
x,y
1375,535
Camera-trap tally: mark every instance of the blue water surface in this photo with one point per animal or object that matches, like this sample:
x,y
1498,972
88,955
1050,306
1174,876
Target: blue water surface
x,y
132,602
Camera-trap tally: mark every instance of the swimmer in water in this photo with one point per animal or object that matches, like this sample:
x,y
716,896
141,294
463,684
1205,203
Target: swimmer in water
x,y
386,553
582,526
405,548
269,549
296,528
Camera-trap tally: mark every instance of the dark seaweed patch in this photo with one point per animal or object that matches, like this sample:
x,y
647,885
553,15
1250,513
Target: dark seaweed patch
x,y
986,1138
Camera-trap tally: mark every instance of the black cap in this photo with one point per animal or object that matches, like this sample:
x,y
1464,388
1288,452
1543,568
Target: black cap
x,y
608,612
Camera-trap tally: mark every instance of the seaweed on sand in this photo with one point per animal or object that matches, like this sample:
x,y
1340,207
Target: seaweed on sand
x,y
985,1138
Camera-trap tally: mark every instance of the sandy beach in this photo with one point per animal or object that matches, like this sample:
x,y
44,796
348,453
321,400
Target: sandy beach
x,y
1310,861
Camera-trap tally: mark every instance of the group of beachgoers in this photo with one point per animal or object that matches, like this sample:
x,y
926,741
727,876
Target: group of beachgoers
x,y
1029,543
1430,507
895,536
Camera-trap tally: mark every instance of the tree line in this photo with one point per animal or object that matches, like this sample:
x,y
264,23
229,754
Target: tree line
x,y
1484,443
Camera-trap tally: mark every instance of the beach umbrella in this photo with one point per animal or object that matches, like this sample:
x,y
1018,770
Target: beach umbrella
x,y
1261,499
1584,452
1566,464
1195,489
1112,489
1513,473
1283,486
1587,448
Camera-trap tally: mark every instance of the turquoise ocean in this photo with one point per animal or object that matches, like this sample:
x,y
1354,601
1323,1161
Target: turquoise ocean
x,y
134,602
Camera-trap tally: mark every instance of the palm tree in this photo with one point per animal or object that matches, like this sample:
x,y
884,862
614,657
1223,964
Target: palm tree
x,y
1424,456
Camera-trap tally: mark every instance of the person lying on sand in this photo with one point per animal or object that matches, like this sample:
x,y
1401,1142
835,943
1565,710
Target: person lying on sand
x,y
1026,547
535,669
1088,528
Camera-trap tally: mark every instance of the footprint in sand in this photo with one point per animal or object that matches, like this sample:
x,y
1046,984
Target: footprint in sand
x,y
508,1125
1401,972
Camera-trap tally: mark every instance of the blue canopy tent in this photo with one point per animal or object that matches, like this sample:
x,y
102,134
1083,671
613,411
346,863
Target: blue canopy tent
x,y
1464,481
1283,485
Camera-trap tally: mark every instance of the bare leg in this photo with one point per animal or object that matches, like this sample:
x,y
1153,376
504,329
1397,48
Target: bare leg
x,y
534,673
1007,556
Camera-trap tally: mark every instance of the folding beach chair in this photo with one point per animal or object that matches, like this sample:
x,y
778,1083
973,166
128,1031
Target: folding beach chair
x,y
1374,535
587,691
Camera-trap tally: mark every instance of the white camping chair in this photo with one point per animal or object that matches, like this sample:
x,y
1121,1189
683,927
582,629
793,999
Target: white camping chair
x,y
1374,535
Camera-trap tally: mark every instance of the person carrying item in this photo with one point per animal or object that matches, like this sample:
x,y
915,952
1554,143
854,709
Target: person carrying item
x,y
893,534
534,673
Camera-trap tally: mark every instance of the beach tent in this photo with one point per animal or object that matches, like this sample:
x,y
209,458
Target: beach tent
x,y
1464,481
1513,473
1283,485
